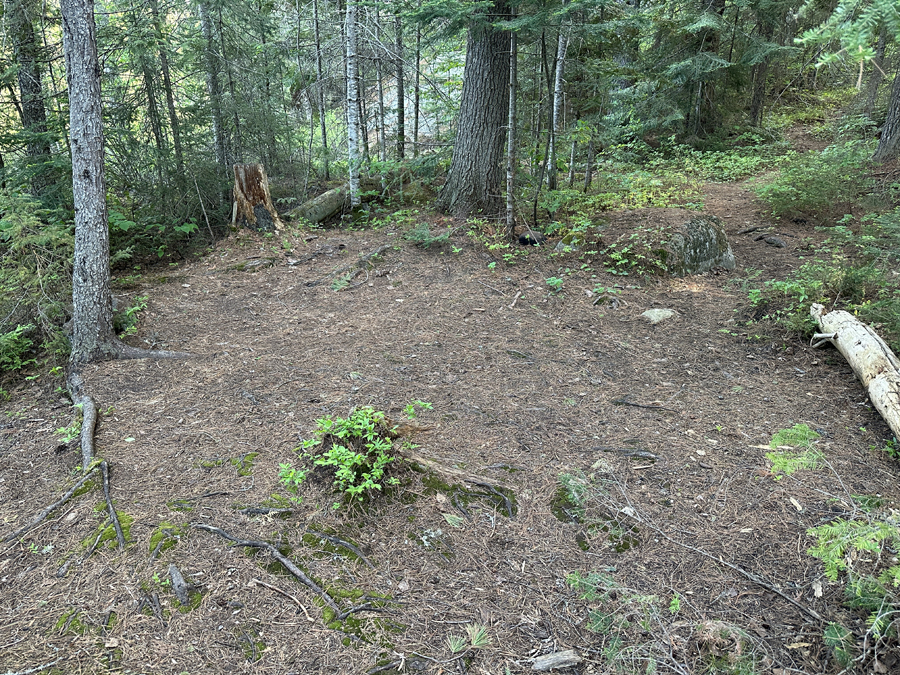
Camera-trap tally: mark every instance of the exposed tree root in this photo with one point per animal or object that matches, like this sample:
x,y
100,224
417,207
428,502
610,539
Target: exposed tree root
x,y
275,553
120,537
285,594
345,544
47,511
88,424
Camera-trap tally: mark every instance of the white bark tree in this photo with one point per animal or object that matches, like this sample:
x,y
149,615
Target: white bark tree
x,y
352,56
556,122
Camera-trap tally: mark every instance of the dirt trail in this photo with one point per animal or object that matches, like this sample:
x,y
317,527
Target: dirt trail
x,y
525,385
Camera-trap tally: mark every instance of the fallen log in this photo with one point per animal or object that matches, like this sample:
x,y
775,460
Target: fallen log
x,y
876,366
329,204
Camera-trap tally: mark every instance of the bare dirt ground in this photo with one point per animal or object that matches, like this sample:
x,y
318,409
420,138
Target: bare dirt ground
x,y
525,385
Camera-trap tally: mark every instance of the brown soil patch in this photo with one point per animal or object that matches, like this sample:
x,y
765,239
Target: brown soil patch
x,y
522,392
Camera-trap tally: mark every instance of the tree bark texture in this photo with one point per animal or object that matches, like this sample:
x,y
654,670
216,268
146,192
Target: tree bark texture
x,y
26,50
511,137
401,96
92,334
474,183
556,124
320,86
352,103
253,206
876,366
417,92
889,142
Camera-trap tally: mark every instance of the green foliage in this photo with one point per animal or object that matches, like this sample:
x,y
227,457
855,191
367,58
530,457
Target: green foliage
x,y
422,236
819,185
638,253
410,409
36,249
786,463
555,284
126,321
799,435
292,478
14,347
357,449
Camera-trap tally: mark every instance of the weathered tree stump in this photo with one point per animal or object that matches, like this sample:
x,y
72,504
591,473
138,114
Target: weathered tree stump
x,y
252,204
876,366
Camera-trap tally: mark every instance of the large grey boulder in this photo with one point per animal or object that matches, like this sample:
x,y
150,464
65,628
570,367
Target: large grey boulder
x,y
697,246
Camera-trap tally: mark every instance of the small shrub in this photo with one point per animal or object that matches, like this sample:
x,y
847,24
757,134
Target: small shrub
x,y
820,185
14,347
421,235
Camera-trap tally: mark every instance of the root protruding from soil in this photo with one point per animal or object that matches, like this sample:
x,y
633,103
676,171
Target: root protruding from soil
x,y
275,553
120,536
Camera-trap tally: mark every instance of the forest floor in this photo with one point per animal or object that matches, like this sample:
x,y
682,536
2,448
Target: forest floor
x,y
662,430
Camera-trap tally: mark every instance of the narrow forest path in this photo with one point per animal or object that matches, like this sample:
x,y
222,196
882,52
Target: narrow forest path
x,y
660,427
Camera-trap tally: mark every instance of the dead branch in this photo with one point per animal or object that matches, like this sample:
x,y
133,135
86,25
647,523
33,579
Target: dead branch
x,y
624,401
275,553
345,544
285,594
36,669
120,537
264,511
50,509
88,424
627,452
497,493
357,264
873,362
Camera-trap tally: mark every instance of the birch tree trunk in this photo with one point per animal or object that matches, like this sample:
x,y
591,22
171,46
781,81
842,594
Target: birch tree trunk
x,y
320,85
352,102
511,137
556,123
474,182
92,335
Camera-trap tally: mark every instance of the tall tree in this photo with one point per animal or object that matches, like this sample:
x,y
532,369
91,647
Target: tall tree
x,y
474,182
20,15
353,102
92,335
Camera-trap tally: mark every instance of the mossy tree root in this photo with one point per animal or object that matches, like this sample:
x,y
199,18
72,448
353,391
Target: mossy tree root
x,y
47,511
275,553
120,536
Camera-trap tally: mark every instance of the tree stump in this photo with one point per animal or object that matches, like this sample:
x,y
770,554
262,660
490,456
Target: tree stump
x,y
252,204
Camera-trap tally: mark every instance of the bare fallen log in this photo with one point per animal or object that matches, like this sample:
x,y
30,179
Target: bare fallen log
x,y
330,203
876,366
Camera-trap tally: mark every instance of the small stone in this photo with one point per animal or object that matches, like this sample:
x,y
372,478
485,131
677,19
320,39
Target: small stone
x,y
777,242
654,316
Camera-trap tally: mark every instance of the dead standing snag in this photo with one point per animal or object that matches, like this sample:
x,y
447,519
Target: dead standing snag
x,y
252,203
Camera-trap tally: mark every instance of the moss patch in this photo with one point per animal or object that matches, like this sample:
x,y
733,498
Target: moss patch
x,y
183,505
244,463
165,536
107,531
462,498
70,623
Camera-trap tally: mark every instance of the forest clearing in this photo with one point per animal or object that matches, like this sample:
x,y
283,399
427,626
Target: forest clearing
x,y
472,337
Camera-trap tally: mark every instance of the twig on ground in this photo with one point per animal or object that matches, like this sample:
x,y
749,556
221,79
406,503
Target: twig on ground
x,y
50,509
120,537
263,511
496,290
285,594
624,401
181,587
36,669
515,300
275,553
626,452
340,542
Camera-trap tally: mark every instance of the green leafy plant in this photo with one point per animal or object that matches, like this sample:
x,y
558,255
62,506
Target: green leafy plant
x,y
73,431
15,346
292,478
478,638
410,409
357,449
785,463
555,284
127,320
422,236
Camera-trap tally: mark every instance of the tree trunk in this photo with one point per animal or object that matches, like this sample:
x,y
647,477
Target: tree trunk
x,y
19,18
511,137
889,142
252,203
352,103
877,74
417,92
589,166
561,47
401,97
379,74
237,146
320,85
92,335
174,124
759,81
473,185
212,85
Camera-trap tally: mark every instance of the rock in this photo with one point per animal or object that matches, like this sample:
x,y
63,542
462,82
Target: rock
x,y
655,316
571,242
777,242
697,246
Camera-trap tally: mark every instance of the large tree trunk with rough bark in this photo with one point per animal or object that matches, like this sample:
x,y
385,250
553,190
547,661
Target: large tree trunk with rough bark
x,y
889,142
92,329
511,137
876,366
474,183
253,206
